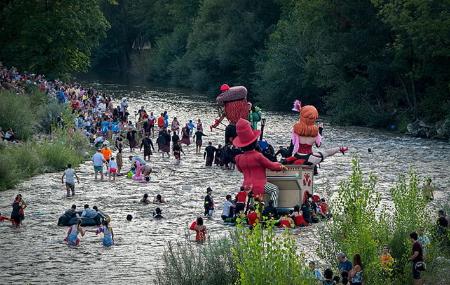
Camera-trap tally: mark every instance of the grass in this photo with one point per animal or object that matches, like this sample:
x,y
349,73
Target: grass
x,y
30,114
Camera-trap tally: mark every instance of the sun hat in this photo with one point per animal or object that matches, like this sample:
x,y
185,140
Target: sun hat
x,y
245,134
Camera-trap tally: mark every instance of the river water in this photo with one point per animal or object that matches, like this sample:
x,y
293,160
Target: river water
x,y
35,253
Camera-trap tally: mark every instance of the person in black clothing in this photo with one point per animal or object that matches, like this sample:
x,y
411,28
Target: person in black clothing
x,y
157,214
147,128
306,211
284,152
147,143
209,154
416,259
209,203
198,140
226,156
163,142
442,223
175,138
131,137
218,157
167,138
270,211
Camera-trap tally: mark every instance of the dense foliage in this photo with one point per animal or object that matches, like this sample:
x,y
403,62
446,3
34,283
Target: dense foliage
x,y
31,115
381,63
361,225
52,37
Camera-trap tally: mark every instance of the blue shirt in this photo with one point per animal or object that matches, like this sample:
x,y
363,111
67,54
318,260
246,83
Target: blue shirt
x,y
89,213
345,266
60,96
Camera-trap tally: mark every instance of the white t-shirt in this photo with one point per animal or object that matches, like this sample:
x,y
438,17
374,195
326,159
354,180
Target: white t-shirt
x,y
70,175
98,159
226,208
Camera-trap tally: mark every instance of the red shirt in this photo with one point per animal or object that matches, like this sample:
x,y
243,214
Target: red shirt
x,y
252,218
161,122
253,166
241,197
324,207
300,221
285,224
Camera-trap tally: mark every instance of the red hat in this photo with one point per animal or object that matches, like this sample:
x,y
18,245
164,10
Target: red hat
x,y
245,134
224,87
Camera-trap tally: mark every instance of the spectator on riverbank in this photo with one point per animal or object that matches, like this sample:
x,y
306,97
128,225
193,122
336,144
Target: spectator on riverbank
x,y
416,259
442,223
343,263
356,273
315,271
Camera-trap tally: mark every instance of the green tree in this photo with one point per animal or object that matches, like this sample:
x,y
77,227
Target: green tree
x,y
281,75
224,40
420,48
51,37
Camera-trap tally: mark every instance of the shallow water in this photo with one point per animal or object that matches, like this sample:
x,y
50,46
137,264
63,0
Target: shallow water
x,y
35,253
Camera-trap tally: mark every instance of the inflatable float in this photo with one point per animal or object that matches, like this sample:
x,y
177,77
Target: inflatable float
x,y
67,220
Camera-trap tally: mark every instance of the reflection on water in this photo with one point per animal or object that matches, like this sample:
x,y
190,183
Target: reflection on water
x,y
35,253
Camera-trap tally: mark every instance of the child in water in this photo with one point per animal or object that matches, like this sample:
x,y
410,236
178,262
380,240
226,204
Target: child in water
x,y
108,234
119,161
145,199
72,234
158,199
112,168
199,229
157,215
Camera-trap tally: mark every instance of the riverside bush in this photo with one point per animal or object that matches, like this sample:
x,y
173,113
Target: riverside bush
x,y
263,257
16,113
187,263
256,257
27,114
360,225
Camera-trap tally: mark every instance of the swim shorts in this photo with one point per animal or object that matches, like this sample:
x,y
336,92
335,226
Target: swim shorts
x,y
112,170
98,168
70,186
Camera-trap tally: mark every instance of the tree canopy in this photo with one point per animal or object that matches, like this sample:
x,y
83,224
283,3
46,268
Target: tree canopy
x,y
51,37
365,62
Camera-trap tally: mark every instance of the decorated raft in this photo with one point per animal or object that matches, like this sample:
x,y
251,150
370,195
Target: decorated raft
x,y
294,185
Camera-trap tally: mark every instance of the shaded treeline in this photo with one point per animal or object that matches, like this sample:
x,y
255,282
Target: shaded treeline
x,y
364,62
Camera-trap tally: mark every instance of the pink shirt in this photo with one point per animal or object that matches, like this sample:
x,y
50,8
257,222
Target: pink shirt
x,y
253,165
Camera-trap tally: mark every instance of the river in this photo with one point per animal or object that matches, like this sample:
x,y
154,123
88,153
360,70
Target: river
x,y
35,253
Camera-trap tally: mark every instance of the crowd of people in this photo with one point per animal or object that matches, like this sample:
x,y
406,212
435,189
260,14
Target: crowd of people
x,y
109,127
245,209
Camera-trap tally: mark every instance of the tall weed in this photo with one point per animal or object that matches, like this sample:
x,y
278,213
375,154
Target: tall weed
x,y
186,263
264,257
360,225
